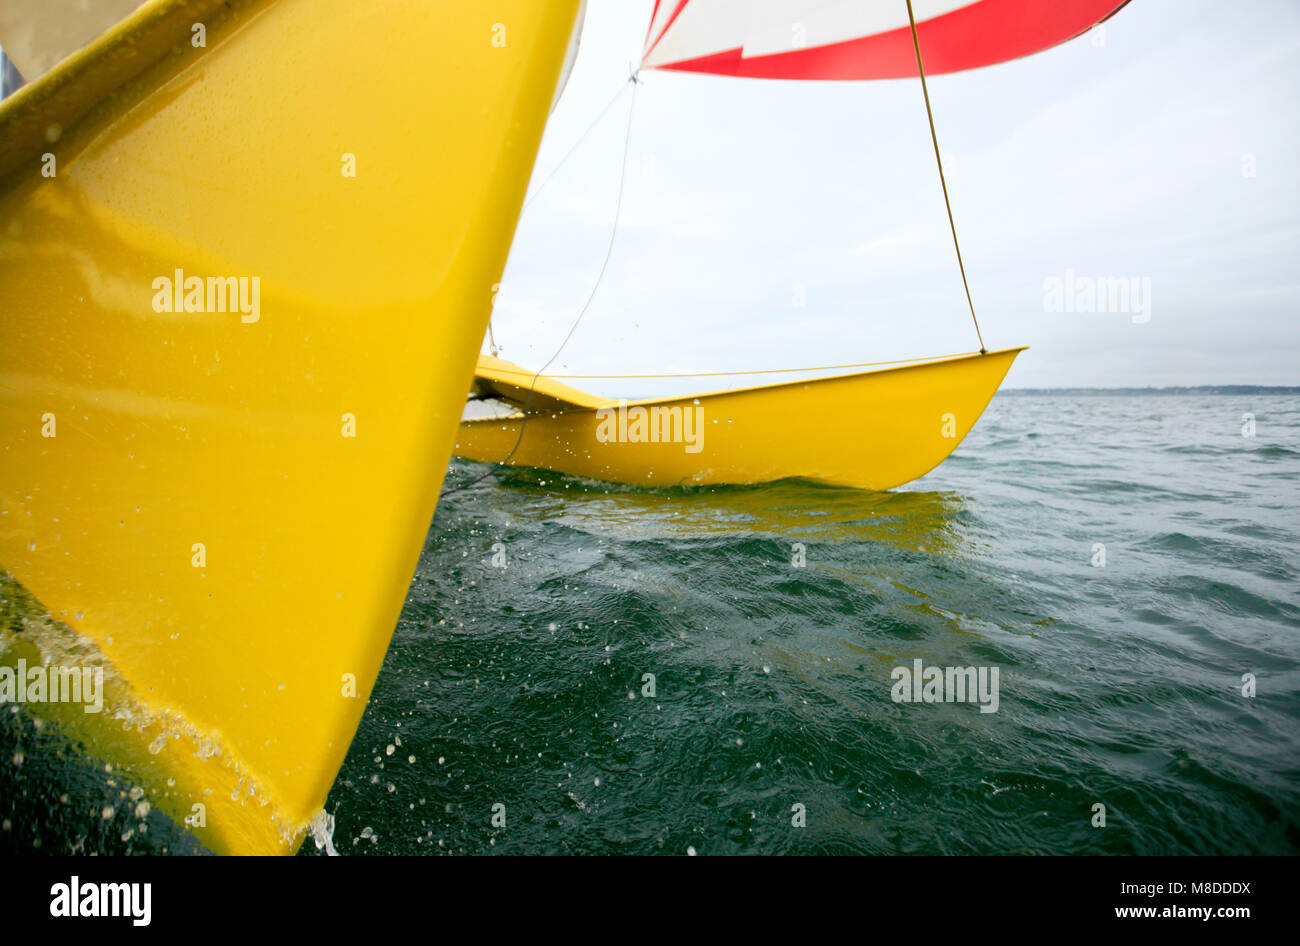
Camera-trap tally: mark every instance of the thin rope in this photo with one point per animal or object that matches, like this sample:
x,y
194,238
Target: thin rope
x,y
916,43
609,251
542,186
727,374
555,170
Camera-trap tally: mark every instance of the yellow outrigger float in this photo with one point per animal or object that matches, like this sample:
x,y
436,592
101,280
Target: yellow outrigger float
x,y
873,430
876,429
243,283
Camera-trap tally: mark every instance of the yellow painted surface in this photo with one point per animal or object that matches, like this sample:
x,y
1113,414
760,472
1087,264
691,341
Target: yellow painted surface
x,y
498,379
201,512
872,430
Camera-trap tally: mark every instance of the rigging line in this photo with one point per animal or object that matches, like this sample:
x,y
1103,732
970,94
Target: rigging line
x,y
542,186
726,374
916,43
555,170
609,252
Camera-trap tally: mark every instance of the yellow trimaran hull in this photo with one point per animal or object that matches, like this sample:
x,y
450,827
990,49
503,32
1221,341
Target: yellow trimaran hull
x,y
872,430
230,509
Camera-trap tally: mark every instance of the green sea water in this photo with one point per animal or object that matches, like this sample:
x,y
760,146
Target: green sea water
x,y
1122,561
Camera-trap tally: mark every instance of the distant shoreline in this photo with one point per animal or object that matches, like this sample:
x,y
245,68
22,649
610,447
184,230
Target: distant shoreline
x,y
1200,389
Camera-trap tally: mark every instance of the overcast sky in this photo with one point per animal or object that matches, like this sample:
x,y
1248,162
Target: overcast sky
x,y
1164,152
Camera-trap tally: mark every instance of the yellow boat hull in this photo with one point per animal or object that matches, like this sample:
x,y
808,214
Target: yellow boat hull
x,y
229,502
872,430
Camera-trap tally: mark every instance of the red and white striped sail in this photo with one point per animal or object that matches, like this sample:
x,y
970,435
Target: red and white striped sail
x,y
857,39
